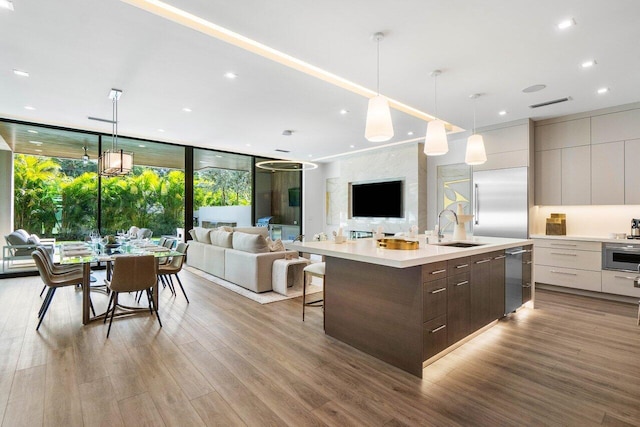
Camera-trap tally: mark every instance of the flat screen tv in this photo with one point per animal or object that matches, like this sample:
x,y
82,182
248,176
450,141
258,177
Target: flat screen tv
x,y
377,199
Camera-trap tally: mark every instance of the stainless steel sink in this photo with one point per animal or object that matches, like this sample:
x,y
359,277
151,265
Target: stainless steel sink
x,y
460,244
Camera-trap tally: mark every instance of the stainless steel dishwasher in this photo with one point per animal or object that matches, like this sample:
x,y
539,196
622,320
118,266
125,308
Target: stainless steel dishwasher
x,y
513,279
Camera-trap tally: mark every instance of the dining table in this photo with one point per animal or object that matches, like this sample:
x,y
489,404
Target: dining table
x,y
85,253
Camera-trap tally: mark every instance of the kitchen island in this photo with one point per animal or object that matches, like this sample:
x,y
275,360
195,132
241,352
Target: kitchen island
x,y
408,306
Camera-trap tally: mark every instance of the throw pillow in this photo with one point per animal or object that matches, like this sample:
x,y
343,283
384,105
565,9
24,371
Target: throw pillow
x,y
202,234
275,246
253,230
225,228
253,243
221,238
192,233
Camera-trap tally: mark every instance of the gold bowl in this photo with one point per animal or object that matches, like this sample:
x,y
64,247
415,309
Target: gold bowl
x,y
397,244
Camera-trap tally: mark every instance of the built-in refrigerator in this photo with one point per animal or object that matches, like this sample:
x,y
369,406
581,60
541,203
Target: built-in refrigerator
x,y
500,203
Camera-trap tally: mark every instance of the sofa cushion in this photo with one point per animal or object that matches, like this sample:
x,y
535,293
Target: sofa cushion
x,y
252,243
192,233
16,238
253,230
225,228
202,234
221,238
33,239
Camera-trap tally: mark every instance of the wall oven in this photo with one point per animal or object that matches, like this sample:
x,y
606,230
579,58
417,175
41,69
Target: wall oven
x,y
620,257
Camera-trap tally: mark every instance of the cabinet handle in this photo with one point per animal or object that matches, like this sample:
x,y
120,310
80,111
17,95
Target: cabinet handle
x,y
517,252
500,257
439,328
526,285
476,204
438,271
560,253
563,244
482,261
437,291
529,262
462,283
462,265
625,277
562,272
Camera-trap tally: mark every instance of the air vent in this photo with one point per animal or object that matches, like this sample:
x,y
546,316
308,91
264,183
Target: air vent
x,y
282,151
555,101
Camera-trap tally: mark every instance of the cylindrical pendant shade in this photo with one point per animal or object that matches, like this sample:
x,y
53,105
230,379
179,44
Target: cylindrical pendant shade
x,y
378,127
475,154
435,143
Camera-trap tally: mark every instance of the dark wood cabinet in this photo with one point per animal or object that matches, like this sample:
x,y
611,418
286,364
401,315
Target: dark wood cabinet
x,y
434,299
458,307
434,336
480,291
497,285
527,265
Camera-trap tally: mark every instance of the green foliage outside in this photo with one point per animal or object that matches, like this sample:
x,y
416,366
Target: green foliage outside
x,y
59,197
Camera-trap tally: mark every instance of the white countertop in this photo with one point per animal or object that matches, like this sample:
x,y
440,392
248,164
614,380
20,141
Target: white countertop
x,y
604,239
365,250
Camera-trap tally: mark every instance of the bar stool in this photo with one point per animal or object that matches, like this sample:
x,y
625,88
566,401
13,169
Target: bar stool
x,y
312,270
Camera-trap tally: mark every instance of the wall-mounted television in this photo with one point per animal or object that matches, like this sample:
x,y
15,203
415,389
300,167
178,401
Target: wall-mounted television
x,y
382,199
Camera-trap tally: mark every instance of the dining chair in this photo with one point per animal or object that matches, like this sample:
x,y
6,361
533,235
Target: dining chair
x,y
56,269
131,274
162,241
173,268
53,281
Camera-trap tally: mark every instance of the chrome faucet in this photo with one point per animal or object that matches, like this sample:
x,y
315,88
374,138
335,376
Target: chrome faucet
x,y
440,235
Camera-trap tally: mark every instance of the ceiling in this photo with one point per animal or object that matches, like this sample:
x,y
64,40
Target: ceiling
x,y
75,51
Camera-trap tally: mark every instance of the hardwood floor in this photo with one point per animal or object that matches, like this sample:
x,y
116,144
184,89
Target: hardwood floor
x,y
226,360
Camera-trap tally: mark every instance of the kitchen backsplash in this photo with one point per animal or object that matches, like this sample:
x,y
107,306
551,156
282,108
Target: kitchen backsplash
x,y
597,221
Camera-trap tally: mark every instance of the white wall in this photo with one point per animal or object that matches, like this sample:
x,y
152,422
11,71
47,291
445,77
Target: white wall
x,y
404,162
239,214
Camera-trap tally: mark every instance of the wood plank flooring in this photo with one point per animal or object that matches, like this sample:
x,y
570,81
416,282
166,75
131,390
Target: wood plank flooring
x,y
226,360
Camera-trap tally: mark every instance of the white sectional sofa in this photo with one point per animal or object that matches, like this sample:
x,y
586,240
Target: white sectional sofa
x,y
241,255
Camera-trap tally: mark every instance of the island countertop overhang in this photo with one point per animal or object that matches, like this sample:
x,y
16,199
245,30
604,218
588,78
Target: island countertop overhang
x,y
365,250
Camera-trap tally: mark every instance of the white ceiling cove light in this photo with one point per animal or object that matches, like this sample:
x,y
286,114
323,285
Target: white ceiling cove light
x,y
588,64
379,127
230,75
475,154
435,142
21,73
603,90
286,165
6,4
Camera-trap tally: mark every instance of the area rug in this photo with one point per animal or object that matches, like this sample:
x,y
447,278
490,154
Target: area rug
x,y
262,298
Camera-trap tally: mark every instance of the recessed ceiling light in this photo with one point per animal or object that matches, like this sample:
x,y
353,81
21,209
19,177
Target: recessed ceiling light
x,y
6,4
589,63
352,146
248,145
141,145
187,110
310,155
37,150
36,142
534,88
32,131
343,111
218,156
503,113
29,107
20,73
230,75
160,130
563,25
603,90
410,133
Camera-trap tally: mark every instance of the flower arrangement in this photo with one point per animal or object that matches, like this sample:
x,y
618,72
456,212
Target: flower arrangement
x,y
319,237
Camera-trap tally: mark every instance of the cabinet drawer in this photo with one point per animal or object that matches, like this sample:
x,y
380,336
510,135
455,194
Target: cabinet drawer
x,y
619,283
434,271
579,279
434,299
568,244
434,337
569,258
457,266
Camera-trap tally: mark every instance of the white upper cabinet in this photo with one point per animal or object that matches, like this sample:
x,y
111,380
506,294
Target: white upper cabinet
x,y
548,177
576,175
621,126
608,173
572,133
632,172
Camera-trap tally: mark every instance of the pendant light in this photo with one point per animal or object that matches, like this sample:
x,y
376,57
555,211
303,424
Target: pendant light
x,y
475,154
379,127
435,142
85,156
115,162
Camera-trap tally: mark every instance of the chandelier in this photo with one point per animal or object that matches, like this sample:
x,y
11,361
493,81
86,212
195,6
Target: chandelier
x,y
115,162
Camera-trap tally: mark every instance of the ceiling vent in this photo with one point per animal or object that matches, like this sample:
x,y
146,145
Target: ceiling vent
x,y
282,151
555,101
